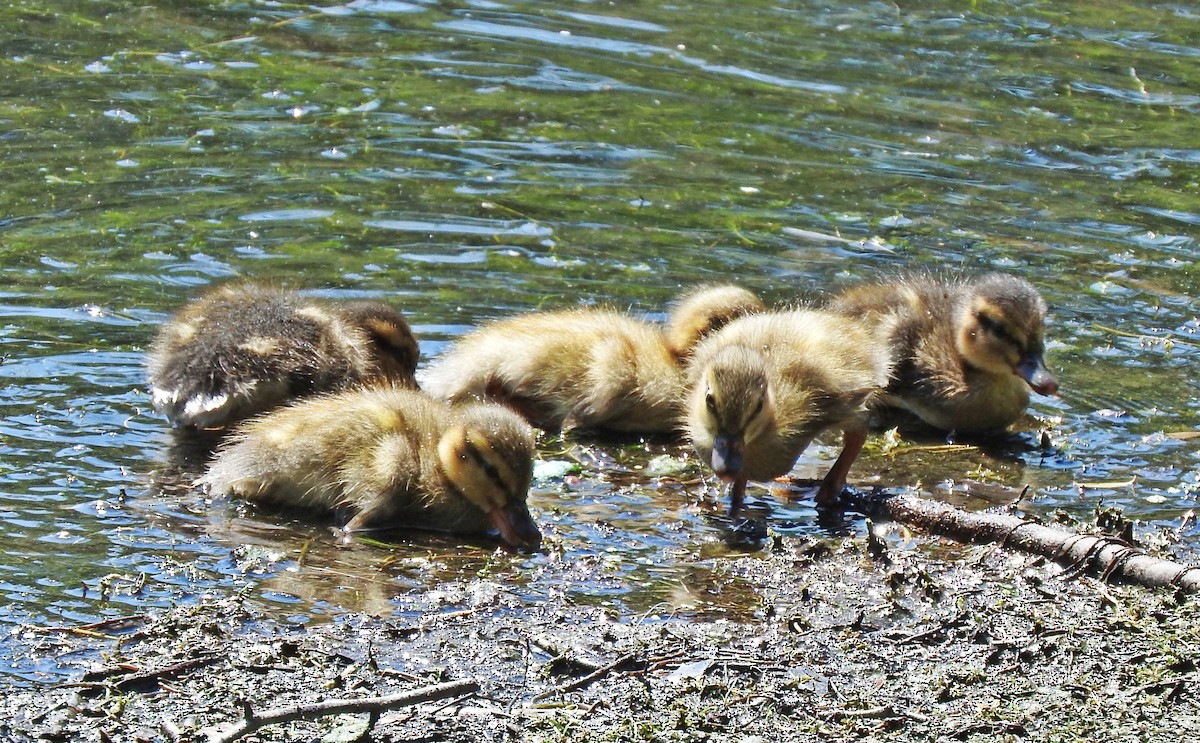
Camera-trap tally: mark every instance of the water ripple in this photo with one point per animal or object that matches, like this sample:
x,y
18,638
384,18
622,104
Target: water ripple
x,y
462,226
287,215
614,46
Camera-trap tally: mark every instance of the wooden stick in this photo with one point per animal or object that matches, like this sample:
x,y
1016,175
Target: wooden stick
x,y
255,720
1104,556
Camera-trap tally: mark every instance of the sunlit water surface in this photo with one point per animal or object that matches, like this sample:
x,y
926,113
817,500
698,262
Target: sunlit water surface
x,y
468,161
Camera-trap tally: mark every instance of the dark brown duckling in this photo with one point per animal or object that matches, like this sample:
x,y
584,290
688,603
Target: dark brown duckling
x,y
244,348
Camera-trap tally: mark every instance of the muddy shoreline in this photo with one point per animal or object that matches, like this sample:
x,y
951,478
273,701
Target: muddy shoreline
x,y
901,639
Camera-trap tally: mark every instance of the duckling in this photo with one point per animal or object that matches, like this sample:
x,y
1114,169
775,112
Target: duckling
x,y
584,368
765,385
966,352
706,310
581,368
241,349
391,457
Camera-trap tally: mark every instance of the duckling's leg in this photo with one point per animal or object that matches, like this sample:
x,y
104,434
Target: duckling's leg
x,y
374,516
831,487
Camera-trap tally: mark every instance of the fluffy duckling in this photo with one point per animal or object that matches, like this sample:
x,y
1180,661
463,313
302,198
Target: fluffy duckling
x,y
241,349
966,352
390,457
584,368
764,386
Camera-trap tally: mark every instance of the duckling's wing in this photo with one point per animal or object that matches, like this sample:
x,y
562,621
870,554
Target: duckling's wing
x,y
381,480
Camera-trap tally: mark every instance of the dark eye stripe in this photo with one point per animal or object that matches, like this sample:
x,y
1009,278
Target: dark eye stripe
x,y
996,328
488,468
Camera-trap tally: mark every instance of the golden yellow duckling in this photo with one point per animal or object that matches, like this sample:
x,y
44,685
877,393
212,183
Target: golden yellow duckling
x,y
391,458
582,368
244,348
764,386
966,352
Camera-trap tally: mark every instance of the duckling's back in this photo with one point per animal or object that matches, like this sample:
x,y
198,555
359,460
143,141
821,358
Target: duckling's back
x,y
243,349
589,368
333,450
387,457
942,372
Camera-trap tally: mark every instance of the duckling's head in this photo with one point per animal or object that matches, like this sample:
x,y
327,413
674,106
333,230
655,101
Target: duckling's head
x,y
395,349
704,311
730,405
487,457
1000,330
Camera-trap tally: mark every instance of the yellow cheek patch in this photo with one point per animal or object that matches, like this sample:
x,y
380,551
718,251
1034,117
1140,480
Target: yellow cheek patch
x,y
493,467
995,321
449,447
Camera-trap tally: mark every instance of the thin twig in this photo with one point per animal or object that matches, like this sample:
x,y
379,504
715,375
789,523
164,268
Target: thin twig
x,y
874,713
583,681
171,730
902,450
132,682
92,629
1153,686
374,705
953,623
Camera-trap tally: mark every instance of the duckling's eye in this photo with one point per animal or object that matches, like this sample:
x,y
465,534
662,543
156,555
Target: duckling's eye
x,y
758,408
711,403
994,326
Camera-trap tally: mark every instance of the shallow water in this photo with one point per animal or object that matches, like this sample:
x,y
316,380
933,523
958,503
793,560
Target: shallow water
x,y
474,160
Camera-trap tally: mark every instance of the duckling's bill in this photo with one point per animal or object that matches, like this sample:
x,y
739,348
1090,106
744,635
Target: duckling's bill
x,y
727,456
1033,370
516,526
